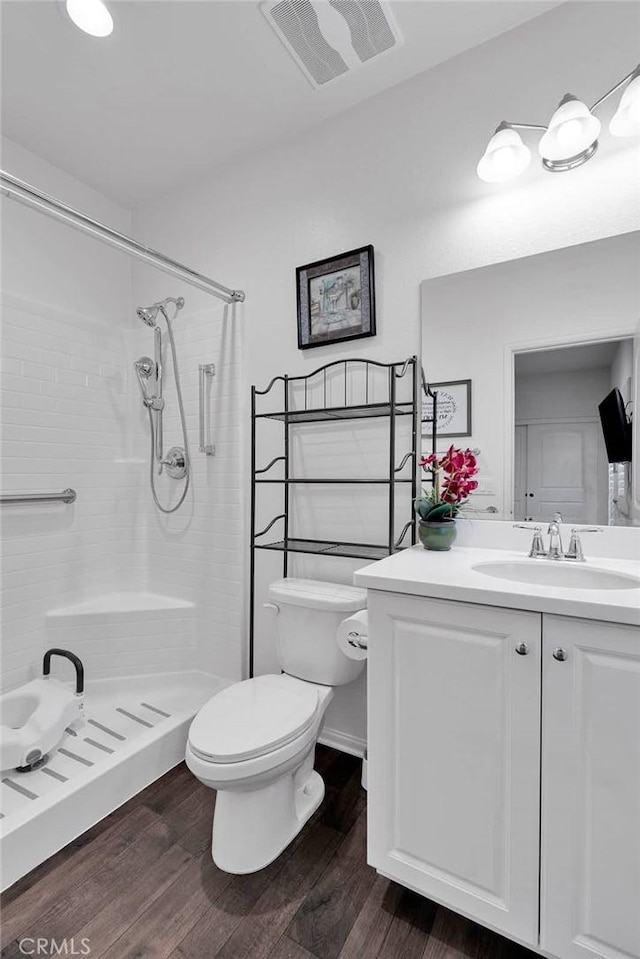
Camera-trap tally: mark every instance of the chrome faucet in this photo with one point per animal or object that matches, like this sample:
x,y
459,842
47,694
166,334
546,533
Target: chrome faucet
x,y
555,538
555,551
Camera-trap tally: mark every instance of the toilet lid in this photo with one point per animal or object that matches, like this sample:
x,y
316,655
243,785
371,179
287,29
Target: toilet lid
x,y
253,717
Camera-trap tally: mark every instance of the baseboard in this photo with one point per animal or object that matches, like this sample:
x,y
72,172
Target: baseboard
x,y
344,742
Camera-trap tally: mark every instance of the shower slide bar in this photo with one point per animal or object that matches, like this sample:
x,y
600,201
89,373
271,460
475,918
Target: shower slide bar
x,y
25,193
65,496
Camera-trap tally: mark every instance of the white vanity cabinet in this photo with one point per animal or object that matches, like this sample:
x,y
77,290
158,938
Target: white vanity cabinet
x,y
590,890
504,781
454,755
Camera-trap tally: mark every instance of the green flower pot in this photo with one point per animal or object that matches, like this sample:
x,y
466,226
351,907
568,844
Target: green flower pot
x,y
439,535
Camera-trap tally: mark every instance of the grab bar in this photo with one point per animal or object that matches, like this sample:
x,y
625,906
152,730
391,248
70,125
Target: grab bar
x,y
206,369
66,496
77,662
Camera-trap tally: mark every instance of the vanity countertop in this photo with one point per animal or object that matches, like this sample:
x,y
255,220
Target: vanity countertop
x,y
450,575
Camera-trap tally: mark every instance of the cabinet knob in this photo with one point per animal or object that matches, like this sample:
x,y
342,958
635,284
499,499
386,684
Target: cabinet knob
x,y
560,654
522,649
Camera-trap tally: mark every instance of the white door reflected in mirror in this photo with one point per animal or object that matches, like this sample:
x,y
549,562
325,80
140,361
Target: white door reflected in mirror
x,y
560,460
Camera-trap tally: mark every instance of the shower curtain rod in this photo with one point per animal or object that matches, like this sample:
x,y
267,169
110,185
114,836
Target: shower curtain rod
x,y
25,193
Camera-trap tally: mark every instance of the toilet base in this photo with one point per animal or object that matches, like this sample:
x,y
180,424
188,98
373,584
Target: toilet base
x,y
251,829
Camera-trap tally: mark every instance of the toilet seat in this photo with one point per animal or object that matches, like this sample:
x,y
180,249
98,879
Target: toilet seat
x,y
34,718
253,718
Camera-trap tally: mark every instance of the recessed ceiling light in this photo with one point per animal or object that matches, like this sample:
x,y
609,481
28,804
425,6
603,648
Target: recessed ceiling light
x,y
91,16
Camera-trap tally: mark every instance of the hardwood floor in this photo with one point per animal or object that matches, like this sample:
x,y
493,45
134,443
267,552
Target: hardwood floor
x,y
142,885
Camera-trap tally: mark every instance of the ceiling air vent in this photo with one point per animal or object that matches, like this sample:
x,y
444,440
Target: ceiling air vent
x,y
332,38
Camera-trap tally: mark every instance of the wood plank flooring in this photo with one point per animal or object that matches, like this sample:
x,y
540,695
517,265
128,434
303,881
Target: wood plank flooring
x,y
142,885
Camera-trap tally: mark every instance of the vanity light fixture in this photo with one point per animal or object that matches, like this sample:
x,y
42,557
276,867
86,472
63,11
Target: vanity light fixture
x,y
91,16
569,140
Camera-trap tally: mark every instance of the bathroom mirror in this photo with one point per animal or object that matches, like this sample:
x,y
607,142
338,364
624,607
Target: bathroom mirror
x,y
543,340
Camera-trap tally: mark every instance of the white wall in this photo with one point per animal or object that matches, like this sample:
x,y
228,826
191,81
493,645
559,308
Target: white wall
x,y
572,394
622,369
49,263
399,172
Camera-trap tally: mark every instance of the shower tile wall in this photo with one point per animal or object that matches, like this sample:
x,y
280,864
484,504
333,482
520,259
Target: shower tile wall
x,y
196,554
64,403
72,417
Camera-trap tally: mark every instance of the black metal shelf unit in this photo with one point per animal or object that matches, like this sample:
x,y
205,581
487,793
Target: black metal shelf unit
x,y
298,406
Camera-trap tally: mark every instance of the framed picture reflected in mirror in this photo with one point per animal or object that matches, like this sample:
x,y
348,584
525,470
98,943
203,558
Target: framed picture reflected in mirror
x,y
453,406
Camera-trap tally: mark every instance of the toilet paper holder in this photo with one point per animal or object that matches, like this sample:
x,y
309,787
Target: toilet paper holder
x,y
357,641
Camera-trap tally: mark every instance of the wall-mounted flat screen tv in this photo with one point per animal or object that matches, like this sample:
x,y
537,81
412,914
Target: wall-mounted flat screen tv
x,y
616,427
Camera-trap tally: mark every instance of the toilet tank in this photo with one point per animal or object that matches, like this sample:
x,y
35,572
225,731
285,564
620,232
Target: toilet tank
x,y
307,618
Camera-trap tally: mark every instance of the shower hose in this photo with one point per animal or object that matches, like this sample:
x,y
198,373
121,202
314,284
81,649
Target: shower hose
x,y
187,460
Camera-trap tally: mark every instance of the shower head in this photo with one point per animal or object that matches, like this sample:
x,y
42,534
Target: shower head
x,y
148,314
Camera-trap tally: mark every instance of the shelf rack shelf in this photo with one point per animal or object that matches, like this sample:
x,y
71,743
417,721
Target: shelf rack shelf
x,y
347,379
327,548
372,411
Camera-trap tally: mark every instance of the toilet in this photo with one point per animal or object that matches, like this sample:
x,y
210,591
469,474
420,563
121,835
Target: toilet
x,y
254,742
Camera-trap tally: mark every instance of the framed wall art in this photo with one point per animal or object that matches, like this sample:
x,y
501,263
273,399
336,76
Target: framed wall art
x,y
453,409
336,299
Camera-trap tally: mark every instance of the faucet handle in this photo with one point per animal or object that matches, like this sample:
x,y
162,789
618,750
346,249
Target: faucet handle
x,y
537,546
575,551
557,517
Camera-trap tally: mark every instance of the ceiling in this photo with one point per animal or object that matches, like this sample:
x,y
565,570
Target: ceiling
x,y
568,359
186,86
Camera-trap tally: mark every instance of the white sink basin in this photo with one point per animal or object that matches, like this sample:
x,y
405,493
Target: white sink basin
x,y
544,572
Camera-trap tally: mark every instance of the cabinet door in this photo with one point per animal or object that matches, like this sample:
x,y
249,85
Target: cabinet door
x,y
591,790
454,752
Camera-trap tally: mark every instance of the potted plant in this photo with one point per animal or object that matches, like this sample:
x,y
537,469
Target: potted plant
x,y
453,483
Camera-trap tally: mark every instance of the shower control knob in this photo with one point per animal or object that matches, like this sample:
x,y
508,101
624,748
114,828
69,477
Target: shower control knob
x,y
176,463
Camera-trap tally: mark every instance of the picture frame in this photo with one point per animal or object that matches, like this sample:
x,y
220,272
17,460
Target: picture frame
x,y
336,299
453,409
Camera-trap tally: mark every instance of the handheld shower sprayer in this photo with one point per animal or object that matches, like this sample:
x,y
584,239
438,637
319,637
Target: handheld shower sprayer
x,y
177,461
145,368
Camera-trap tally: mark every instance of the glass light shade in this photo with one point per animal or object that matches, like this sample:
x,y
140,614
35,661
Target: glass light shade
x,y
91,16
505,158
626,120
572,129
